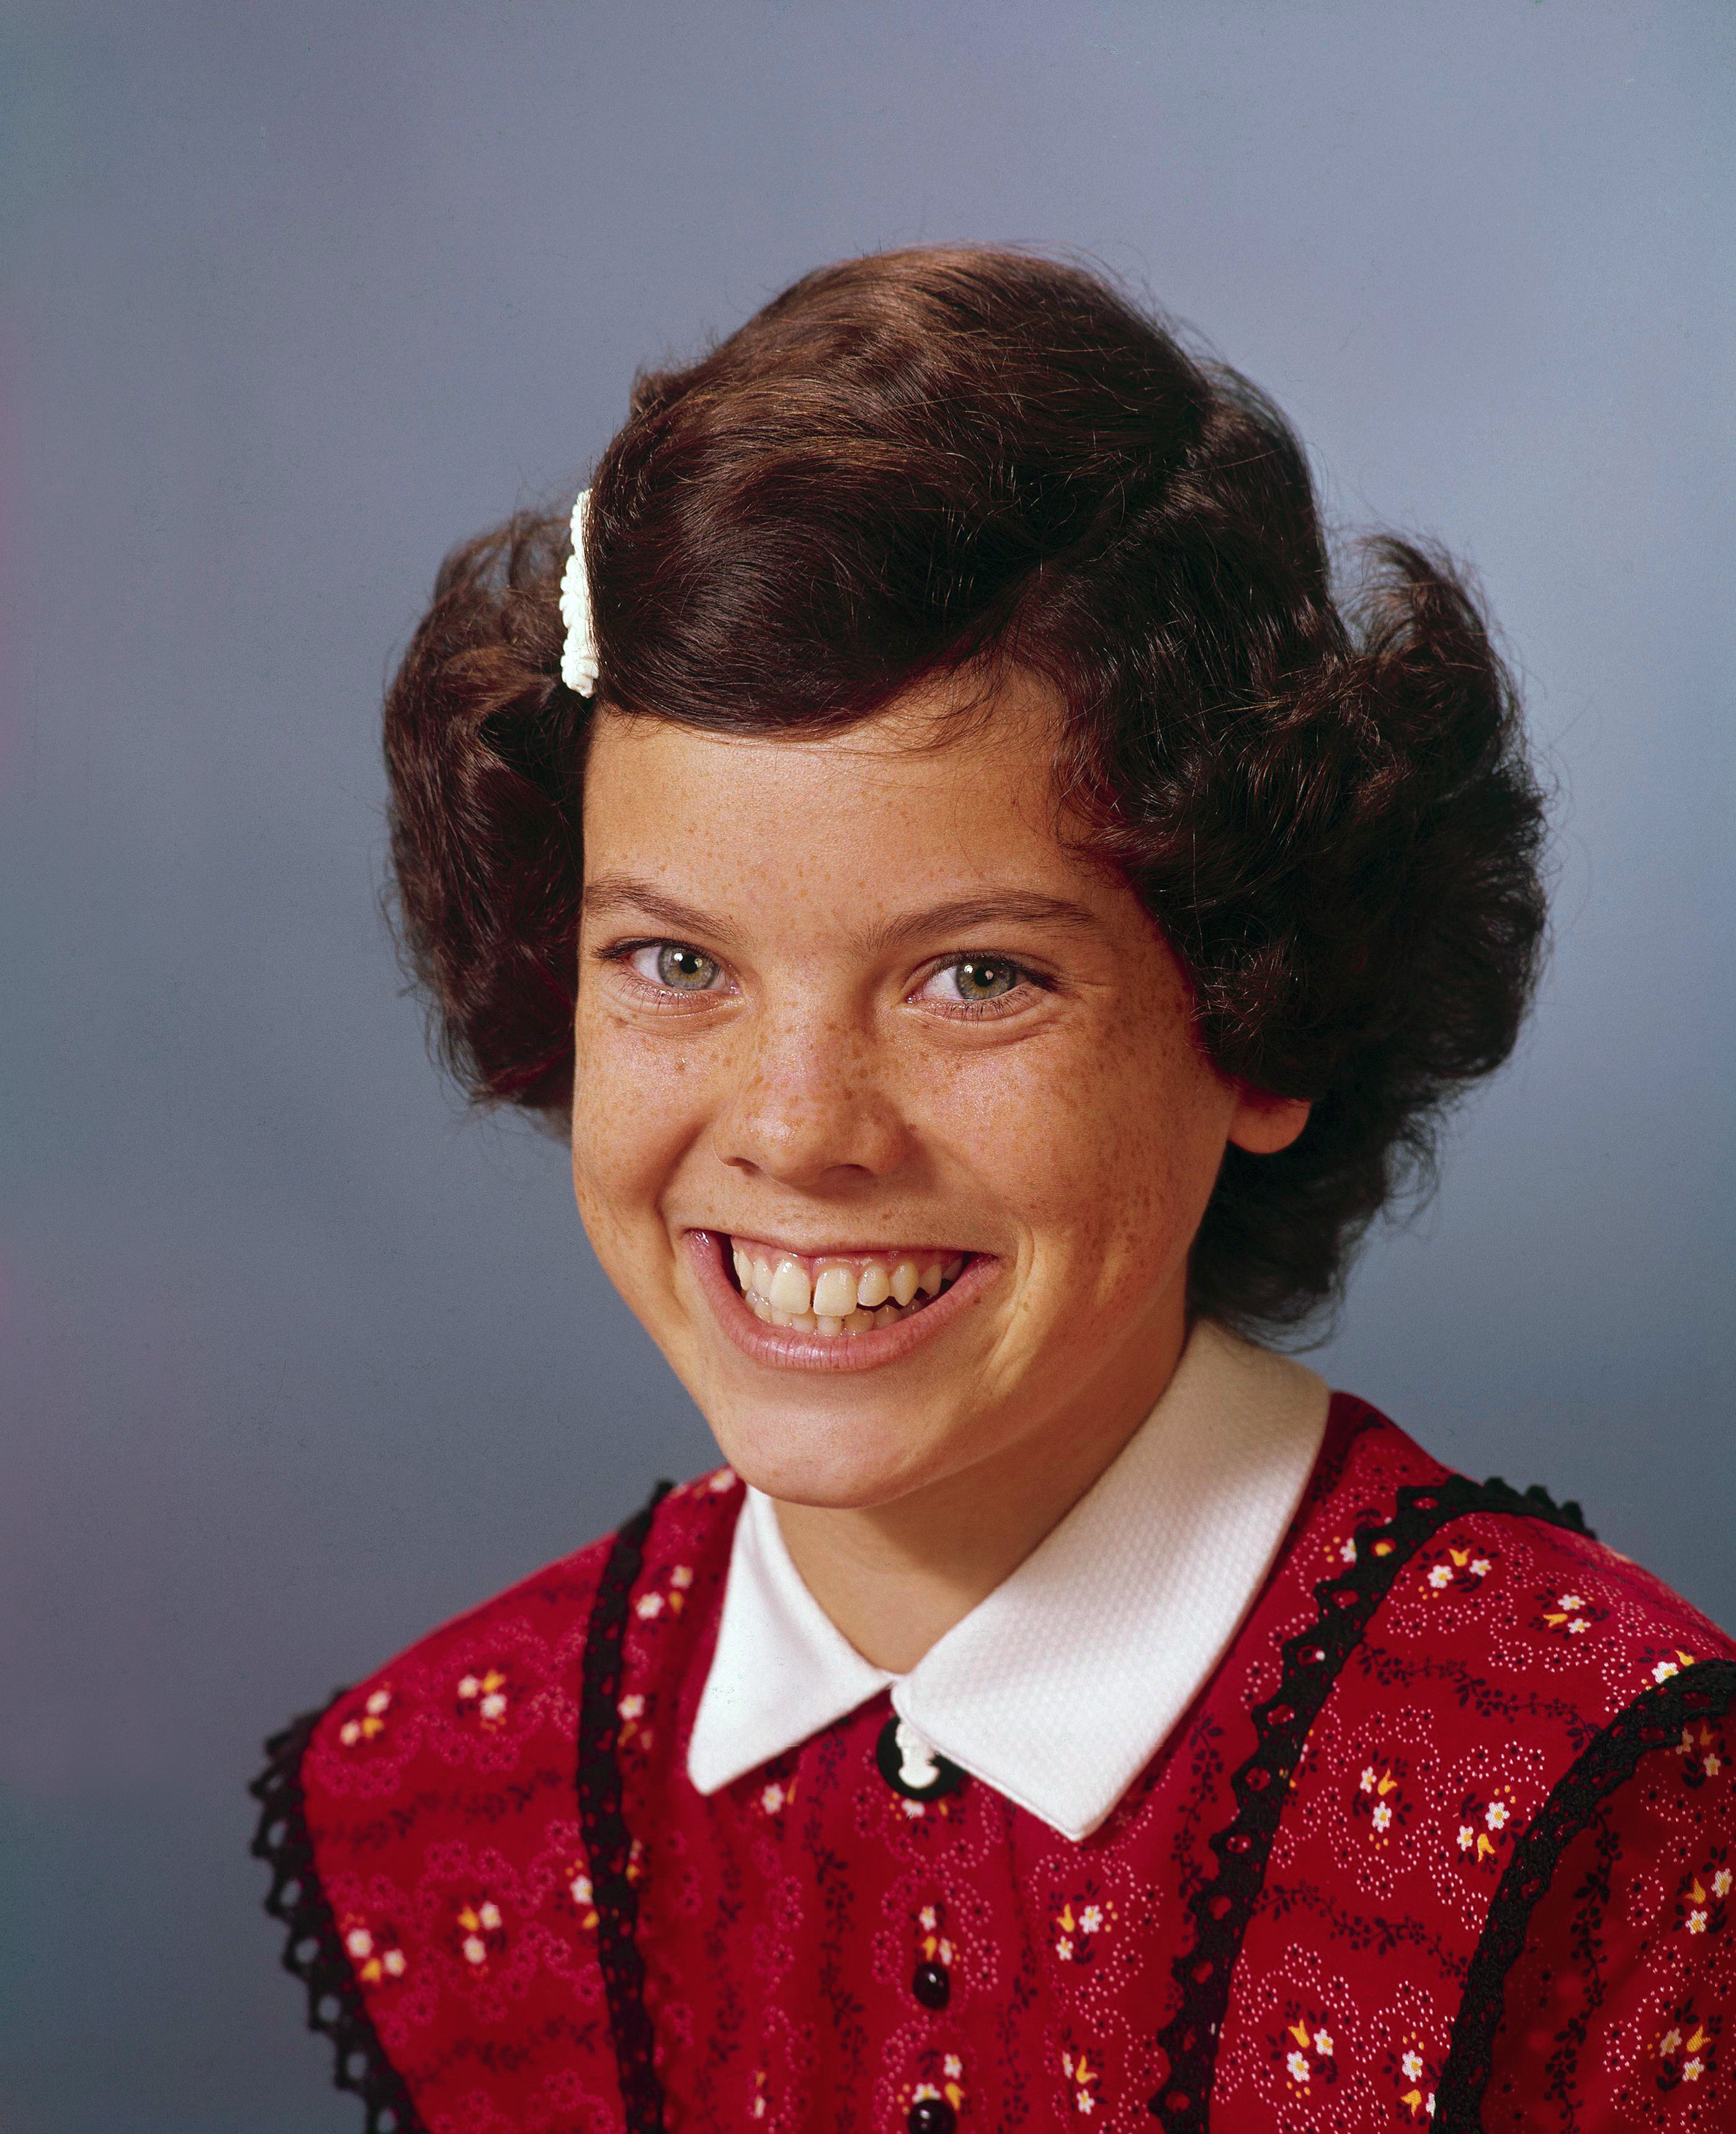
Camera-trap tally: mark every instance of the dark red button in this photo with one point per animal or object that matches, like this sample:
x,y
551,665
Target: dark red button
x,y
932,1986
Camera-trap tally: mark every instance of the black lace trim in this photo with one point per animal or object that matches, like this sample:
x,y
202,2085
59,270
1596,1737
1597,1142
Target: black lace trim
x,y
1652,1721
1222,1907
608,1846
314,1950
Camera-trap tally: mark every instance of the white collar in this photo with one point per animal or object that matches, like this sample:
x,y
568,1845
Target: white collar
x,y
1059,1688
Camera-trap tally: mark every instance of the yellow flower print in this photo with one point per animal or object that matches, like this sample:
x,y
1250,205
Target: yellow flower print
x,y
480,1933
1306,2047
376,1953
1380,1799
942,2078
1413,2078
580,1894
1687,2050
1079,1923
1703,1753
1484,1826
1457,1571
1084,2078
1701,1906
369,1722
668,1599
482,1698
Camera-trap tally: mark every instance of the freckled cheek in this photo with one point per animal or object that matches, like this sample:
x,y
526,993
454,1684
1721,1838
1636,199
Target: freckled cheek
x,y
1101,1153
637,1109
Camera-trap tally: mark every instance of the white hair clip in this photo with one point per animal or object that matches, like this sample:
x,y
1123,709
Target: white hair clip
x,y
579,667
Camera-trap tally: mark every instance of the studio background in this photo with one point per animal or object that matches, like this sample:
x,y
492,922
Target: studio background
x,y
294,1360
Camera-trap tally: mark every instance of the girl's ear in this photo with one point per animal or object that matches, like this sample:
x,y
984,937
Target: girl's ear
x,y
1262,1124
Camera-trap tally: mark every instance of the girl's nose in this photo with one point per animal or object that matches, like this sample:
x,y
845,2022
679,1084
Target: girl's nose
x,y
810,1108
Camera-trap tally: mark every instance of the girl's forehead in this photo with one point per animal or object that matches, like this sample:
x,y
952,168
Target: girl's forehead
x,y
896,804
932,756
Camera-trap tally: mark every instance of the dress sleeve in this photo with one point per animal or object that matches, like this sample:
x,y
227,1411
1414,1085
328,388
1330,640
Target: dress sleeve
x,y
1618,2012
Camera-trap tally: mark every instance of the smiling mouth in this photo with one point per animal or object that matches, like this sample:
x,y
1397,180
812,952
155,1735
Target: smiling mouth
x,y
839,1295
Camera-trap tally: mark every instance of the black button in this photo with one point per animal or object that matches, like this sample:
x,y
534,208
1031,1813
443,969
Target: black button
x,y
932,1986
932,2115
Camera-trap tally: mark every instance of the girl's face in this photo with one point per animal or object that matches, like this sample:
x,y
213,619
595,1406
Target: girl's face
x,y
890,1120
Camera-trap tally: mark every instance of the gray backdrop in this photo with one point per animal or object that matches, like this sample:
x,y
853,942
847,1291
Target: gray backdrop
x,y
296,1361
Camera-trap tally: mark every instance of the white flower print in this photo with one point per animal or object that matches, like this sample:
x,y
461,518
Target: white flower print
x,y
1721,1883
359,1942
1323,2043
1693,2069
1368,1780
1091,1918
1696,1922
1382,1816
1466,1838
648,1606
1412,2066
1496,1815
1299,2071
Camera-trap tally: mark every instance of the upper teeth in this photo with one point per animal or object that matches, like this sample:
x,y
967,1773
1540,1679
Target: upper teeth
x,y
826,1295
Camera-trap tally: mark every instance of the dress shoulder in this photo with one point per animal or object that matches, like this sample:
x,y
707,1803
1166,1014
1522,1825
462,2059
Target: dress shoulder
x,y
1613,2012
1477,1683
426,1829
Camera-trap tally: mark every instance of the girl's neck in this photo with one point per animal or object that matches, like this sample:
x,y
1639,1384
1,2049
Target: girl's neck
x,y
894,1578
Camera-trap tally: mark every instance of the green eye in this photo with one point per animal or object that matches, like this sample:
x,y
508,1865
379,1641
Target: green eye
x,y
684,970
980,979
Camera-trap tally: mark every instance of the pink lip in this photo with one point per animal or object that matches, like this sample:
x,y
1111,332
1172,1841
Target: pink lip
x,y
785,1349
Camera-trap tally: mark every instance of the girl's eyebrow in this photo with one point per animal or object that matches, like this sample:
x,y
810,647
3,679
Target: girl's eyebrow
x,y
614,893
611,894
1011,907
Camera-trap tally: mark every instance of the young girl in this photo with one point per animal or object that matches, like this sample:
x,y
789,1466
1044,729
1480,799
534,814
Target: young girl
x,y
999,930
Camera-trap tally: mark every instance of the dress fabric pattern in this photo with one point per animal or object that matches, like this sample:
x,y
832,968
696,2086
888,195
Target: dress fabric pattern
x,y
1479,1875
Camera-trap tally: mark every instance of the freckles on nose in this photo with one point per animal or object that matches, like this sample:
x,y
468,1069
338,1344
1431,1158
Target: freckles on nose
x,y
802,1115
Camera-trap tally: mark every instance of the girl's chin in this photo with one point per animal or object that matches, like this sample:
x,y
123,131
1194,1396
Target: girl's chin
x,y
827,1464
794,1355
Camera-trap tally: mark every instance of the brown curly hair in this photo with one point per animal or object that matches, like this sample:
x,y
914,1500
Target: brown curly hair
x,y
938,459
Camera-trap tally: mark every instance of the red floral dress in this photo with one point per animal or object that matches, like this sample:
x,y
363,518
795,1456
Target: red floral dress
x,y
1448,1838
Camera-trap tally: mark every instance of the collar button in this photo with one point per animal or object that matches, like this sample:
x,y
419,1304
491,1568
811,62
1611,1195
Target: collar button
x,y
910,1767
